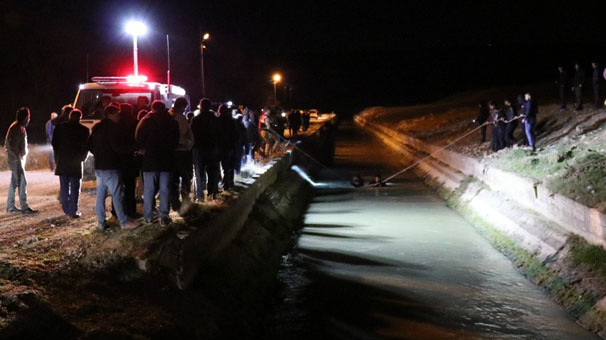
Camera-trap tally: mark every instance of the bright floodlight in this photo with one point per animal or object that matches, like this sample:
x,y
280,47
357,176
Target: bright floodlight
x,y
206,36
277,77
135,28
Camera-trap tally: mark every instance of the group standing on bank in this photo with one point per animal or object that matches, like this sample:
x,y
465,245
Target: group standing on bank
x,y
503,117
164,151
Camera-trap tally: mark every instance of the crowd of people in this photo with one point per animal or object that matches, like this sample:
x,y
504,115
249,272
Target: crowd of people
x,y
504,121
166,151
578,83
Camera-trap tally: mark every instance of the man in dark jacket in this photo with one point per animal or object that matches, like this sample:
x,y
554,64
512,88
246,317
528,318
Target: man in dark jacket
x,y
577,86
511,121
105,144
595,82
70,145
227,143
158,135
294,122
497,132
529,112
483,114
16,147
562,83
63,116
206,147
130,167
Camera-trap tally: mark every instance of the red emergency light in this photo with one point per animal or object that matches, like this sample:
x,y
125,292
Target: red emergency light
x,y
136,79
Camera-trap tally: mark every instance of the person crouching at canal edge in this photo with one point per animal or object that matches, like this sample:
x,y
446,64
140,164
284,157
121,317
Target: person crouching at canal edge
x,y
104,144
16,147
158,136
529,111
70,146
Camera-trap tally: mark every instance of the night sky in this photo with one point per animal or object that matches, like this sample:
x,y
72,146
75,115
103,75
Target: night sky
x,y
335,55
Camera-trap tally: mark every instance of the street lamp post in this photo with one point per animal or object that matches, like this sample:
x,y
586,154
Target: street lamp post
x,y
135,28
205,37
276,79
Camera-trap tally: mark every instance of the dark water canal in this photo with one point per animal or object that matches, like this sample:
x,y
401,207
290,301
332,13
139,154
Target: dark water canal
x,y
396,263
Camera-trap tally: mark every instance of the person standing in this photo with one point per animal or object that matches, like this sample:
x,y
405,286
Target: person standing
x,y
595,82
511,123
63,116
252,134
263,129
158,135
105,144
483,114
305,120
206,151
529,112
227,143
49,128
239,158
577,86
70,145
130,166
294,122
498,127
182,171
15,144
562,83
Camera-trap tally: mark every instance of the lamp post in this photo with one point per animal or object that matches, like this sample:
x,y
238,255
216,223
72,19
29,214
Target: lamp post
x,y
276,79
205,37
135,28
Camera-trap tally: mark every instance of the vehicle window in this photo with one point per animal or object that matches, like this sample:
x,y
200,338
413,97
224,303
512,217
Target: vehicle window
x,y
91,100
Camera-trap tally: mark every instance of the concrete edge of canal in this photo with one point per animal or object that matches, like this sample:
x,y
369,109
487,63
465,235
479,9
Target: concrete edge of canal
x,y
541,232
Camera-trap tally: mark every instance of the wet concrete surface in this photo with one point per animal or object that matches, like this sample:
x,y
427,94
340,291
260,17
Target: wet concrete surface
x,y
397,263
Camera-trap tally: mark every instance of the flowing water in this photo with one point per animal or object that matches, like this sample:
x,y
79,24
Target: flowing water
x,y
396,263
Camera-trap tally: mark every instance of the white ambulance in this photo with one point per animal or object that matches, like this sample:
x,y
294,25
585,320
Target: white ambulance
x,y
135,90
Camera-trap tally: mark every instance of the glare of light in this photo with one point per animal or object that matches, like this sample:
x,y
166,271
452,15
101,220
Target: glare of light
x,y
136,79
306,177
179,91
81,86
283,114
206,36
230,103
134,27
277,77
